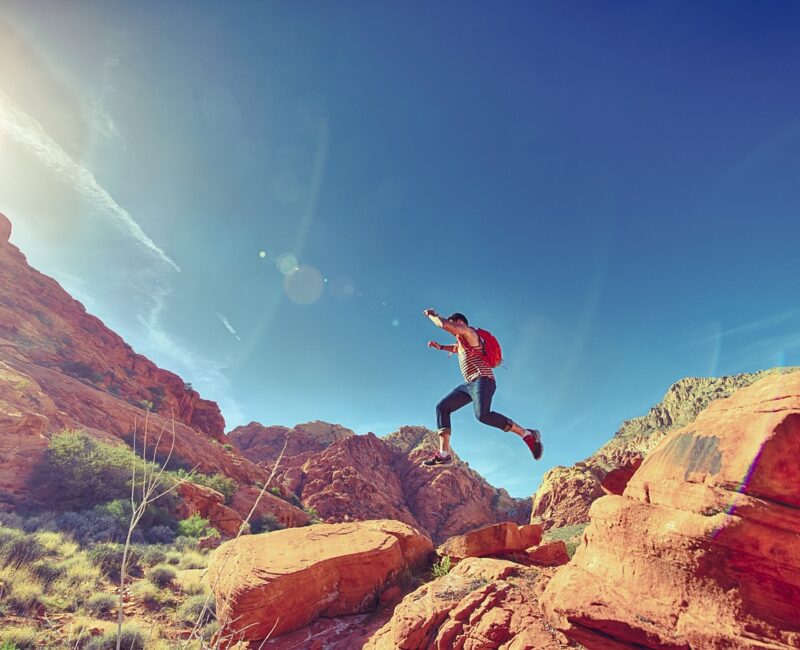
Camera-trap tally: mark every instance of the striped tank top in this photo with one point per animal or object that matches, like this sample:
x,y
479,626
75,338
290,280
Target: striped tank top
x,y
471,361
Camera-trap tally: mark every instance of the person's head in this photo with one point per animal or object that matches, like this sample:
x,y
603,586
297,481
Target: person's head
x,y
459,316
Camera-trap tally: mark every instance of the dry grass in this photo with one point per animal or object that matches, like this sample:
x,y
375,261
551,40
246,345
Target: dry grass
x,y
20,637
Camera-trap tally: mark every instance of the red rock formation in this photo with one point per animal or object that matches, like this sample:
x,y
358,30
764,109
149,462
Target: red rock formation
x,y
566,493
347,477
268,504
209,504
703,548
263,444
617,479
497,539
61,367
277,582
481,604
42,324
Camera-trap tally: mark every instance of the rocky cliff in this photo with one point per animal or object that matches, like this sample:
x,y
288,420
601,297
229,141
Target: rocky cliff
x,y
702,548
61,367
566,493
346,477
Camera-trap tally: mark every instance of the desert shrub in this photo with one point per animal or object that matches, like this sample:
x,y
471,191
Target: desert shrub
x,y
47,570
22,592
190,611
94,526
155,524
151,596
183,543
18,637
161,575
17,548
152,555
81,370
11,520
193,560
196,527
442,567
158,393
57,544
570,535
131,638
265,524
191,585
101,604
108,558
159,534
219,482
173,557
81,471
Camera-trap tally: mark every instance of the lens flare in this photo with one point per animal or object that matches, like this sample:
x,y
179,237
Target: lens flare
x,y
304,286
262,254
286,263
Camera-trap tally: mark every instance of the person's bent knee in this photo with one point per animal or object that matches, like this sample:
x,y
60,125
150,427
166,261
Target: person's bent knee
x,y
443,431
485,418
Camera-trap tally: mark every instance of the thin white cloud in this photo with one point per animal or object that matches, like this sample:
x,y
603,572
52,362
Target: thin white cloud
x,y
28,132
775,319
228,326
207,375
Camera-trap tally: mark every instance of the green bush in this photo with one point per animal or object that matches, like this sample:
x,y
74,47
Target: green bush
x,y
196,527
194,607
265,524
17,548
47,570
18,637
442,567
101,604
81,472
108,558
219,482
161,575
152,555
131,639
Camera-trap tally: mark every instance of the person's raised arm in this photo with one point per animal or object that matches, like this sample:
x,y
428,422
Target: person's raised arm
x,y
454,327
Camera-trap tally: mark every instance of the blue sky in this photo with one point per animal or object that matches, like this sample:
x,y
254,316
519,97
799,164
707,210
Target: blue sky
x,y
611,188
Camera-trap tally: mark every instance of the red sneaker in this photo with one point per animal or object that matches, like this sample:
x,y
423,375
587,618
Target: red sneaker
x,y
534,441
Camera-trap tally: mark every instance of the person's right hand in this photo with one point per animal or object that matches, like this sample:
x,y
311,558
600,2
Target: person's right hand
x,y
434,344
429,312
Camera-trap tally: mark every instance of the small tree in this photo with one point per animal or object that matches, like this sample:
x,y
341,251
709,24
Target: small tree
x,y
149,484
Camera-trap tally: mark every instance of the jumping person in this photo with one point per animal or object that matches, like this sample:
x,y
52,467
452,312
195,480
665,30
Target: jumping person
x,y
478,387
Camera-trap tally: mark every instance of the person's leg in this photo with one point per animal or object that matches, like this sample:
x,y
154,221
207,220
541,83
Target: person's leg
x,y
451,402
482,391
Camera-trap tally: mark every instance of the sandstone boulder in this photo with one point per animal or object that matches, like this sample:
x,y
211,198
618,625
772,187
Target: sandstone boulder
x,y
277,582
702,550
550,554
497,539
482,603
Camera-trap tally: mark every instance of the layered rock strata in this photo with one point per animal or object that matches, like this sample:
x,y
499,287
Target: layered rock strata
x,y
702,550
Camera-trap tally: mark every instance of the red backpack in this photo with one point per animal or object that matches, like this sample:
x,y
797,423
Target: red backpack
x,y
491,348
